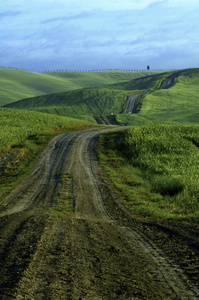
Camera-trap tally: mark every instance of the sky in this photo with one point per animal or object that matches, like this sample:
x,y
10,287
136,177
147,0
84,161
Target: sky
x,y
44,35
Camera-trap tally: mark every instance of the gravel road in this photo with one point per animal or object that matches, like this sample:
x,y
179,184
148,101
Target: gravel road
x,y
97,249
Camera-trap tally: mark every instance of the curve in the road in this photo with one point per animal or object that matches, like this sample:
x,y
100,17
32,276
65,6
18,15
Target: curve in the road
x,y
131,99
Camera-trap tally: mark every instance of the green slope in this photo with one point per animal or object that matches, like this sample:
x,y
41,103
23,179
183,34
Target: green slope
x,y
155,168
101,78
178,104
75,103
141,84
18,84
95,101
16,125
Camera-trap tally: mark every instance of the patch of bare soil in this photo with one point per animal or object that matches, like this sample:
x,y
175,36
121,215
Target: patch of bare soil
x,y
97,250
130,103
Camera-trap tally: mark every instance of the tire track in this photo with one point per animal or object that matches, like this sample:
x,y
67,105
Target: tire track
x,y
100,251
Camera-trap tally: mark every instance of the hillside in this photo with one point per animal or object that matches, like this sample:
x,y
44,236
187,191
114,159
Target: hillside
x,y
178,104
156,103
17,84
17,125
90,101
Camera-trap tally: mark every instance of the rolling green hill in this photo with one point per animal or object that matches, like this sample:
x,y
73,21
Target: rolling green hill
x,y
90,101
154,166
17,84
17,125
75,103
178,104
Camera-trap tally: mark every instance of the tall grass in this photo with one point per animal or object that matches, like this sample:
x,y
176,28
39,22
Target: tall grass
x,y
159,172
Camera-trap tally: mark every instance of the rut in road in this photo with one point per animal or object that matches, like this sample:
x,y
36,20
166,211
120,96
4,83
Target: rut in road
x,y
89,253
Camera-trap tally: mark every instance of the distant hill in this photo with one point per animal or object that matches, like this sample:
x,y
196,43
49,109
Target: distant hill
x,y
17,84
101,101
178,104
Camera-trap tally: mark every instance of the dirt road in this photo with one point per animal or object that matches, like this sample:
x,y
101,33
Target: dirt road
x,y
130,101
93,248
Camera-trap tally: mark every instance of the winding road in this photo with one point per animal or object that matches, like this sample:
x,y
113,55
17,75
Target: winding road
x,y
93,248
131,99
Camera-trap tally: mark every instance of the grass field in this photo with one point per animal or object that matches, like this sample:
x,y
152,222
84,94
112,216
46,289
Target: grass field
x,y
79,103
178,104
91,101
17,84
17,125
155,168
142,84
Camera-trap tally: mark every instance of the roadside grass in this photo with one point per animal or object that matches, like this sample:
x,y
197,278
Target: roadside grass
x,y
155,168
23,135
19,84
17,125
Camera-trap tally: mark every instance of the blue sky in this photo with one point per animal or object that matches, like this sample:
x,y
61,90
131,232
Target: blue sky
x,y
99,34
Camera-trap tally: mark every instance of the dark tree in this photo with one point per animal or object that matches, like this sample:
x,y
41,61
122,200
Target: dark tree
x,y
148,68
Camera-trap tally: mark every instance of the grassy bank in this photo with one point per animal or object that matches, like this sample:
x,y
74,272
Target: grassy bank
x,y
155,168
